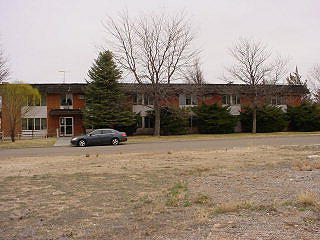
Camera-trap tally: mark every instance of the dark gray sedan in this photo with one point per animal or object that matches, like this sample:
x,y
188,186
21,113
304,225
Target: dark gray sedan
x,y
100,137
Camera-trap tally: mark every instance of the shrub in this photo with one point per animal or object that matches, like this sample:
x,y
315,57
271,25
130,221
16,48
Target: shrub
x,y
214,119
130,129
269,119
173,121
305,117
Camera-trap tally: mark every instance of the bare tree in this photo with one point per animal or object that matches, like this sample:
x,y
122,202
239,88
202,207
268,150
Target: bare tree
x,y
4,71
255,67
194,75
154,49
315,82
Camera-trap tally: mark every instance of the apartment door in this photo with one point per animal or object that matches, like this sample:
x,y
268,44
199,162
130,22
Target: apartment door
x,y
66,126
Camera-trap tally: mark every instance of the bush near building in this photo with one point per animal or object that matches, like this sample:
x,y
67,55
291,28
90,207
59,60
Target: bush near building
x,y
173,121
214,119
305,118
269,119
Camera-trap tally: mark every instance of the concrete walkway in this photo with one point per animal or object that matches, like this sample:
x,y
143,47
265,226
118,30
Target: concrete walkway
x,y
63,141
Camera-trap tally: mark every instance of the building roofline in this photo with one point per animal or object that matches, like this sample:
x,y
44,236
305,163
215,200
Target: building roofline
x,y
176,87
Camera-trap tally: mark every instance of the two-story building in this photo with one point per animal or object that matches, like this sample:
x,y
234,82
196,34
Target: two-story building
x,y
59,111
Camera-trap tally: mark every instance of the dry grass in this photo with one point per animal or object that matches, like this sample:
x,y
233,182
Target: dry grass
x,y
309,199
202,199
146,196
244,205
39,142
307,165
232,207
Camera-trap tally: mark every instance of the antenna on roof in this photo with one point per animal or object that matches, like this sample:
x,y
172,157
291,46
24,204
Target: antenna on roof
x,y
64,75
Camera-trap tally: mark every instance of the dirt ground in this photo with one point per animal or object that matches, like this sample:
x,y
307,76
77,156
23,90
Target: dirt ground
x,y
240,193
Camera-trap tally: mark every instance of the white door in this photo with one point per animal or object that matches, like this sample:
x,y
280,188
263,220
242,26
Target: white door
x,y
66,126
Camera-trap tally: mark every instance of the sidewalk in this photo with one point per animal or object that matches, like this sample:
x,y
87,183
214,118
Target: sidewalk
x,y
63,141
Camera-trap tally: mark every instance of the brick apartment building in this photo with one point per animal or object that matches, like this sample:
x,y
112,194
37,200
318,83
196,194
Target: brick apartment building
x,y
59,111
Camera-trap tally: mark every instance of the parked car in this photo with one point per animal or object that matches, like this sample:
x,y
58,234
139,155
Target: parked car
x,y
100,137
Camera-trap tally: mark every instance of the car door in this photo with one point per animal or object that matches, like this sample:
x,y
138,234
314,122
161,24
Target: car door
x,y
94,137
107,135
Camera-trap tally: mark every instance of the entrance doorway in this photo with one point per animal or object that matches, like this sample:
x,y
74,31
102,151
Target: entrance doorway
x,y
66,126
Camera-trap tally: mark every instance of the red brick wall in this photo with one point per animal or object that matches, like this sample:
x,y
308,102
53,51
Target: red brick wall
x,y
77,102
171,100
53,102
294,101
211,99
78,128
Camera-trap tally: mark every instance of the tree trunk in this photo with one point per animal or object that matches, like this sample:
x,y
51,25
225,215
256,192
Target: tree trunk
x,y
13,139
254,120
156,118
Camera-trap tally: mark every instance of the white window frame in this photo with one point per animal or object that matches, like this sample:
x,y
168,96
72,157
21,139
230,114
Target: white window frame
x,y
193,100
67,96
278,100
232,99
34,103
34,124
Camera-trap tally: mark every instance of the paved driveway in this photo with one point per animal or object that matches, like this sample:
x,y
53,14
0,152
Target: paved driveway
x,y
162,146
62,141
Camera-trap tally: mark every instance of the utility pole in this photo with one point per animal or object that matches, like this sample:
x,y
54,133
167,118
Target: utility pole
x,y
64,75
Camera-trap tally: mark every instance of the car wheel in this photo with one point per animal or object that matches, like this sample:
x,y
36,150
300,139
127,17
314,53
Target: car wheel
x,y
82,143
115,141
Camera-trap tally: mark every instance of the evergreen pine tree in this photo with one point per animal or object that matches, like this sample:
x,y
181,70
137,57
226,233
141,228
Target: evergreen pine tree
x,y
105,102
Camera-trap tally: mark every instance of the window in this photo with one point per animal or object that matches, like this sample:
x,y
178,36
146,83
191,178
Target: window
x,y
34,124
107,131
231,99
206,97
188,100
226,99
30,124
278,100
235,100
30,102
148,122
42,101
148,100
37,102
24,124
43,123
96,132
66,100
37,124
137,99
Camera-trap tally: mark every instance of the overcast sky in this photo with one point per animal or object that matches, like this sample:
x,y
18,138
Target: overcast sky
x,y
41,37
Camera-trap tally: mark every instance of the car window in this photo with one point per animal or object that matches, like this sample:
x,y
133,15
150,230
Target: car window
x,y
96,132
107,131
